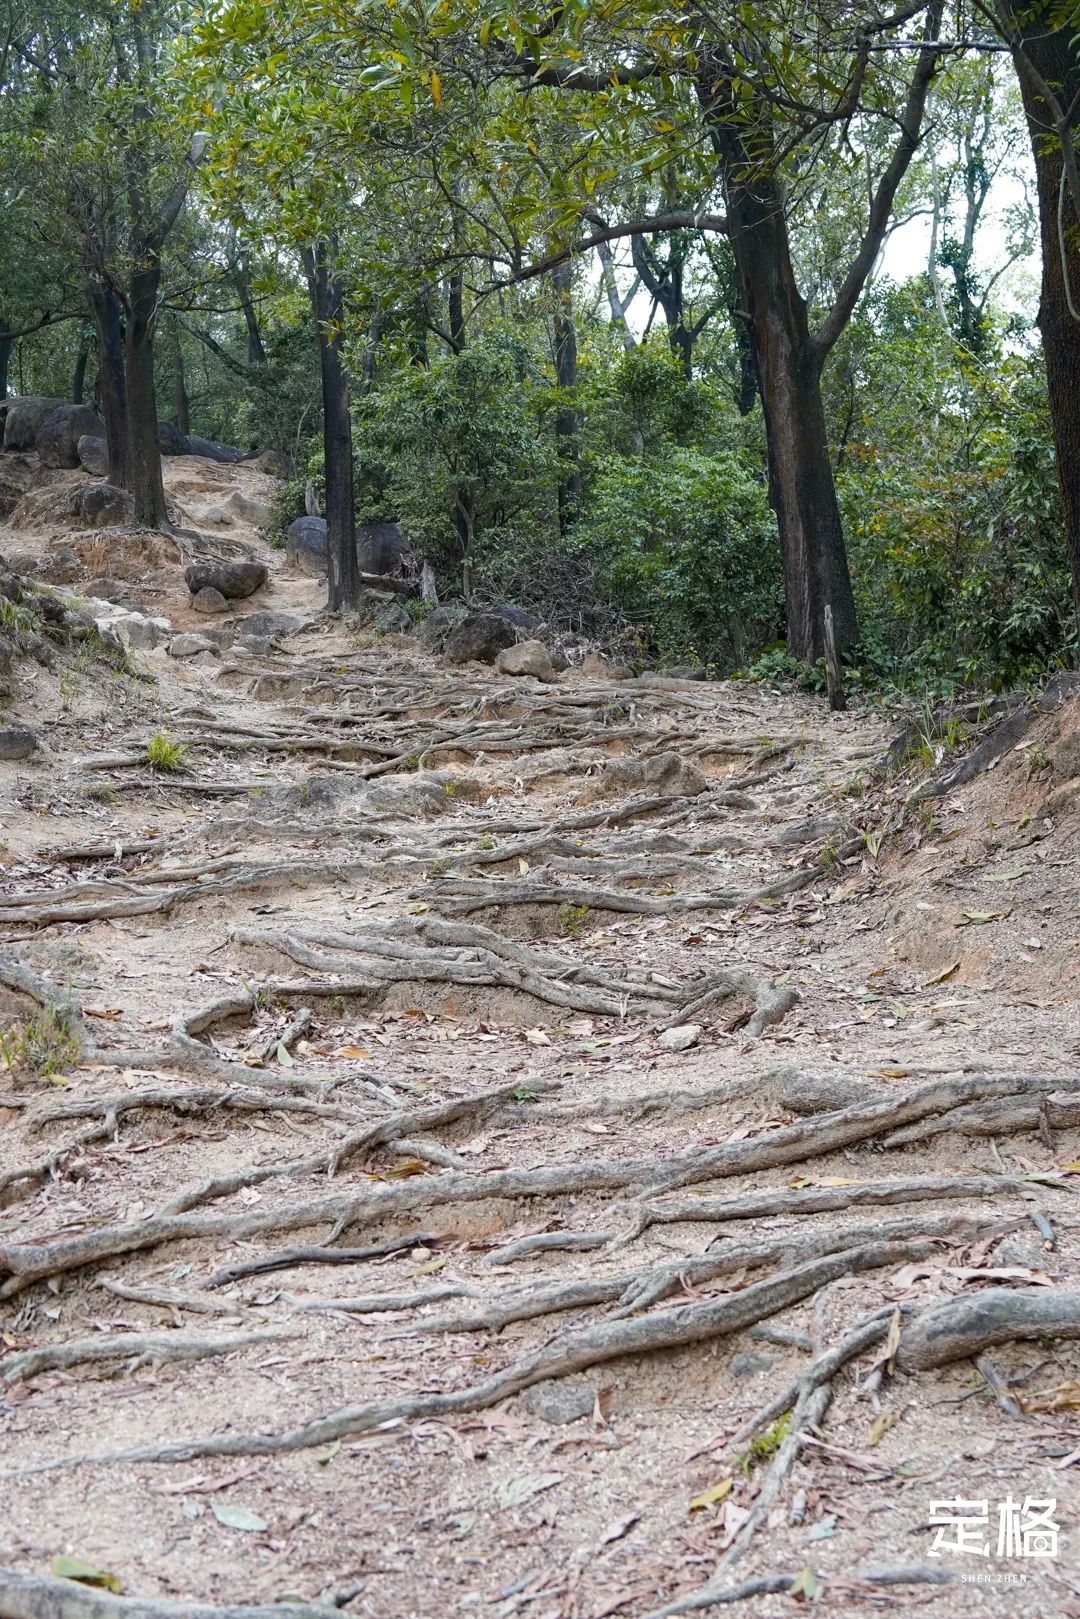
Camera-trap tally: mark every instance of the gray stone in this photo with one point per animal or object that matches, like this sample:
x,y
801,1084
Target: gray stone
x,y
519,617
393,620
187,645
305,542
16,742
380,548
750,1364
138,634
208,600
57,443
680,1038
235,580
210,451
481,637
526,658
248,510
1016,1251
273,462
93,455
805,1094
559,1402
171,441
24,418
268,623
440,622
102,505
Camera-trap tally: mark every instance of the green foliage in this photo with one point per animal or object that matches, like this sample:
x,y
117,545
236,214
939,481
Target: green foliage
x,y
570,919
42,1044
164,753
685,543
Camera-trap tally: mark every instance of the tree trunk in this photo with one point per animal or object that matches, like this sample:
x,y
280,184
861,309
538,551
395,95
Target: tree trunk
x,y
567,419
456,311
105,307
343,568
5,360
788,366
616,302
1045,44
78,380
144,450
256,354
181,402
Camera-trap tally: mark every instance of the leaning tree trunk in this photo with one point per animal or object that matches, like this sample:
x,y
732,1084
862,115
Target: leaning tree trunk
x,y
144,448
567,418
342,564
112,385
787,363
1048,49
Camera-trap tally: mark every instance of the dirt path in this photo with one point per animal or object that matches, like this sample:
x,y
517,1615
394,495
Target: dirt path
x,y
388,971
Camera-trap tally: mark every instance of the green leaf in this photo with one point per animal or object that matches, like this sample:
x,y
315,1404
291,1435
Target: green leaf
x,y
74,1568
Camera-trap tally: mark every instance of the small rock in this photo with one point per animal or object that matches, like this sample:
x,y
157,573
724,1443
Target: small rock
x,y
17,742
805,1094
134,632
209,600
441,622
186,646
393,620
248,509
1015,1251
234,580
559,1402
481,637
596,667
750,1364
527,658
681,1038
268,623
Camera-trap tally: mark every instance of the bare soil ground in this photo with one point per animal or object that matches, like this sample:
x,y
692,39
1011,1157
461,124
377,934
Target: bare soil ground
x,y
387,970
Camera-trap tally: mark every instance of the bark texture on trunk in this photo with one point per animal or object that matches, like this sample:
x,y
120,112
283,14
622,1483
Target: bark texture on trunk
x,y
78,379
343,568
567,418
105,307
181,402
1047,48
144,450
787,363
256,353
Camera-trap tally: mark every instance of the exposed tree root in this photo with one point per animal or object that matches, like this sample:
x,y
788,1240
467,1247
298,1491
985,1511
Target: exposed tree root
x,y
574,1352
34,1596
717,1596
140,1348
963,1328
27,1262
289,1258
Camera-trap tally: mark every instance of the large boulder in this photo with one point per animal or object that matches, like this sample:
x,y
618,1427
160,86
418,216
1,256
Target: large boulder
x,y
517,616
248,509
380,548
102,505
213,452
24,421
234,580
93,455
480,638
441,622
171,441
58,437
305,542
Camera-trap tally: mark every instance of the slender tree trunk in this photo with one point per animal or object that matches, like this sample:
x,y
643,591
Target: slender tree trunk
x,y
256,353
181,402
567,418
616,302
105,307
1046,45
343,568
5,360
456,311
144,449
788,366
78,380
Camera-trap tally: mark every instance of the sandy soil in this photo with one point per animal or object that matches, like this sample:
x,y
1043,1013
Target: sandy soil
x,y
343,789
